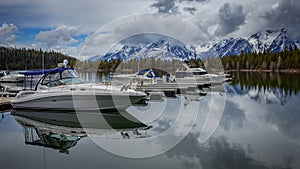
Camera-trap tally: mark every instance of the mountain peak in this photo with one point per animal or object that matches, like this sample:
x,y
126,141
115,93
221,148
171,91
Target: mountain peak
x,y
162,49
268,40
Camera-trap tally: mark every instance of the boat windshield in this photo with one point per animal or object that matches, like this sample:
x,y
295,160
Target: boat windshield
x,y
13,73
65,77
142,72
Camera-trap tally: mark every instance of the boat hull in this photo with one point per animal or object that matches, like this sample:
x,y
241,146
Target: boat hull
x,y
71,101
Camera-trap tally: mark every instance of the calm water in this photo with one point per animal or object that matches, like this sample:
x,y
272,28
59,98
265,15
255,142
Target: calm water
x,y
254,123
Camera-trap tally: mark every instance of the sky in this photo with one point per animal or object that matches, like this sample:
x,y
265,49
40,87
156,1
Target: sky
x,y
67,25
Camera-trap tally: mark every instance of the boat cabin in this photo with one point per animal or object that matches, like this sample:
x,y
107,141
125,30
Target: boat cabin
x,y
51,78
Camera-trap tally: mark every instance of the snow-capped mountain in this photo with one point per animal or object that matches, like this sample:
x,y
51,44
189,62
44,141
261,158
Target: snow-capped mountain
x,y
269,40
227,47
161,49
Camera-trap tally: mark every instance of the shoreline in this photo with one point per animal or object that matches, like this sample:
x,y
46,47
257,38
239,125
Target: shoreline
x,y
265,71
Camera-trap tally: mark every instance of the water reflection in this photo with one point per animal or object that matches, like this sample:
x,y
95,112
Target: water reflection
x,y
62,130
265,88
233,117
274,100
289,83
261,116
259,129
220,152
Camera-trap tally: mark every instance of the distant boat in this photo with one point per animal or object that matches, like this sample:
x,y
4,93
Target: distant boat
x,y
11,76
146,76
197,75
62,89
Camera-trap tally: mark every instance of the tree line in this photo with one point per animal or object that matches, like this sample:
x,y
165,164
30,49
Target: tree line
x,y
133,65
284,60
28,59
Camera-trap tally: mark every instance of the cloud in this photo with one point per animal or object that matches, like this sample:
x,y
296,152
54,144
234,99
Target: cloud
x,y
165,6
194,0
45,14
212,17
62,35
231,16
191,10
284,14
172,6
7,34
151,24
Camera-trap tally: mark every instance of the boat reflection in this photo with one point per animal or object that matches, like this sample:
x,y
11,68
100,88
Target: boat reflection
x,y
62,130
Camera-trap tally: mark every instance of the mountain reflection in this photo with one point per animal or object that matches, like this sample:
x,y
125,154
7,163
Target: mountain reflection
x,y
259,128
62,130
268,88
287,82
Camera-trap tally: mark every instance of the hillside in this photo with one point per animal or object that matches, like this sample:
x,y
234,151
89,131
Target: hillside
x,y
24,59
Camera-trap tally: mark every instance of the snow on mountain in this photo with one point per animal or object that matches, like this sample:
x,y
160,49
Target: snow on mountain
x,y
269,40
202,47
161,49
226,47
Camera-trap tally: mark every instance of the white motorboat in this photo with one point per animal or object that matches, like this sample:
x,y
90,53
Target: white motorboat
x,y
145,76
197,75
12,76
62,89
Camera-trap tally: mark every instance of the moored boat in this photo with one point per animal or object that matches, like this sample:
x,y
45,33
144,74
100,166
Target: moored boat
x,y
62,89
197,75
12,76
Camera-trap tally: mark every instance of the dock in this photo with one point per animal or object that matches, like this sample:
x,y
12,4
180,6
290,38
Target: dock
x,y
5,103
171,89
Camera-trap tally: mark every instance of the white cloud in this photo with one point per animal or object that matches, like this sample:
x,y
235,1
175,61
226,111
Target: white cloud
x,y
62,35
246,18
7,33
165,6
163,24
176,6
92,14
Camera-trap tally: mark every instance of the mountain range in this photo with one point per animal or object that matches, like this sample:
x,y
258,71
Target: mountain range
x,y
269,40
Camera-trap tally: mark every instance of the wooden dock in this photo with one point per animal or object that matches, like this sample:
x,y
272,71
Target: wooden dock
x,y
5,103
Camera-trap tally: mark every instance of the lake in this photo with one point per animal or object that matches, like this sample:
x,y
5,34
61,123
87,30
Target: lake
x,y
252,123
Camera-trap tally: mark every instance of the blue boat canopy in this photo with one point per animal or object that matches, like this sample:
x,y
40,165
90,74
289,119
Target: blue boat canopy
x,y
41,72
153,73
